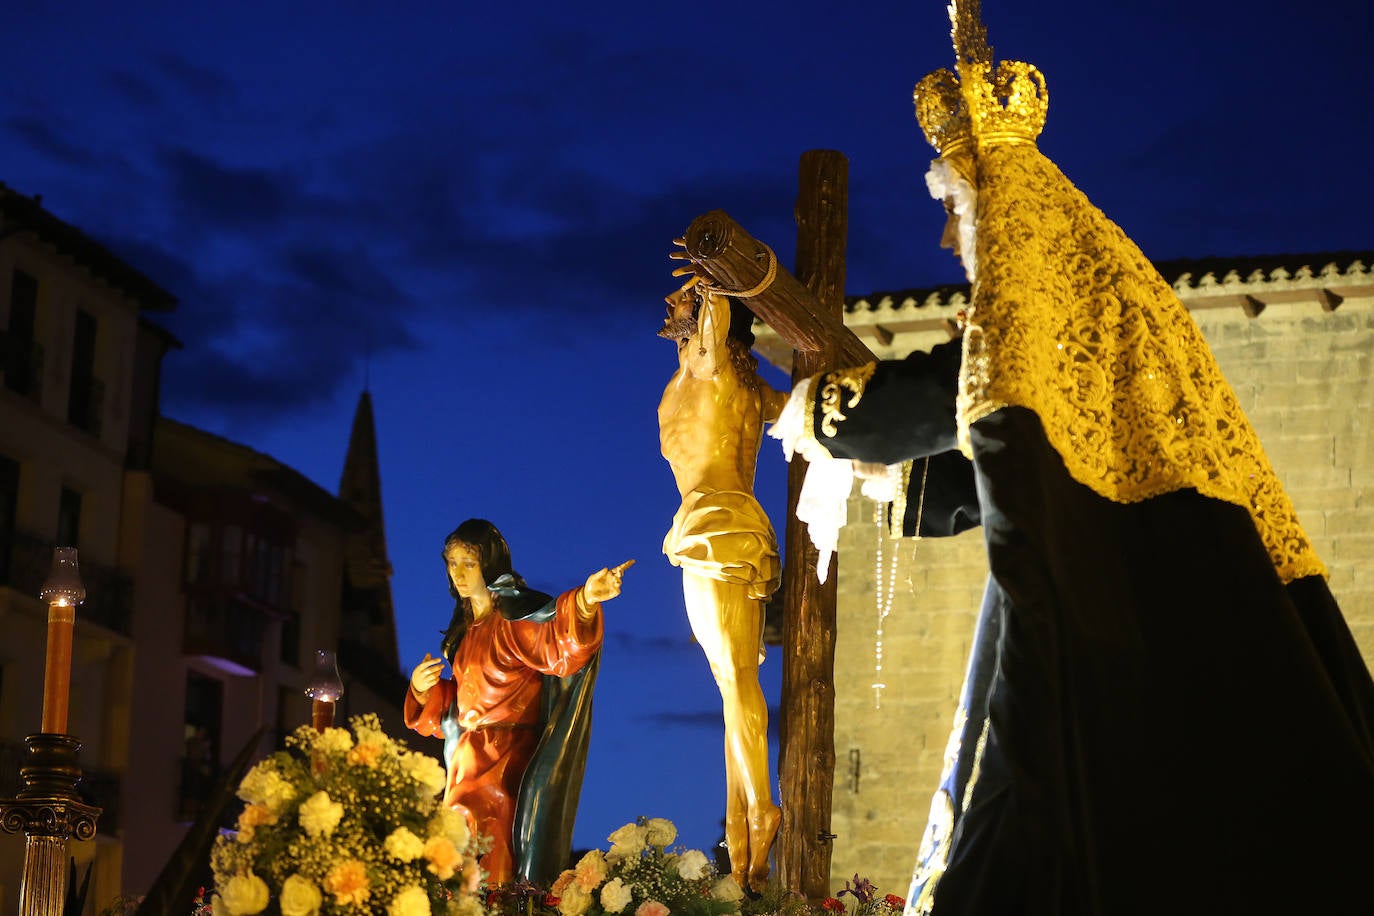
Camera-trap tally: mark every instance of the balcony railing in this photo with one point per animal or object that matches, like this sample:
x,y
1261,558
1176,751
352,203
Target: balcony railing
x,y
221,625
25,562
21,360
102,788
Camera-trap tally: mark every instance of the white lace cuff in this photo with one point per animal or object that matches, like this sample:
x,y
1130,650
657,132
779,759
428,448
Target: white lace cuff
x,y
791,427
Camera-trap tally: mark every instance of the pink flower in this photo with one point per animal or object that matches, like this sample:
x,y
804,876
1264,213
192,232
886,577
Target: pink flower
x,y
651,908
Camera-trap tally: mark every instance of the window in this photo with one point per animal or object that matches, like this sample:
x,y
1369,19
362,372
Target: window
x,y
291,639
199,554
84,399
233,548
200,757
22,357
69,518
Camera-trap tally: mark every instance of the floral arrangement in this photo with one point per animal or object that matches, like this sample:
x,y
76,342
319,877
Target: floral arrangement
x,y
128,904
866,900
639,876
346,822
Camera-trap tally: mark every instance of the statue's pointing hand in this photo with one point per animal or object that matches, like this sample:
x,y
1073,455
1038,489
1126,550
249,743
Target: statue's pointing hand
x,y
426,675
604,584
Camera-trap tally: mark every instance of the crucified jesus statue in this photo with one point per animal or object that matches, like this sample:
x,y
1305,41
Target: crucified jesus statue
x,y
710,425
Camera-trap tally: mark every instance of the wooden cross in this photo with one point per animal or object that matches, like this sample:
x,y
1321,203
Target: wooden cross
x,y
806,311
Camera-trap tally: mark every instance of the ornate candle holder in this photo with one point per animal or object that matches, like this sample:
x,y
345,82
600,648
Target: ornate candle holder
x,y
324,689
48,808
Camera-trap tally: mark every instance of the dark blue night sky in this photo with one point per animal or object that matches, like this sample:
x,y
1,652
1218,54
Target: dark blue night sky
x,y
468,207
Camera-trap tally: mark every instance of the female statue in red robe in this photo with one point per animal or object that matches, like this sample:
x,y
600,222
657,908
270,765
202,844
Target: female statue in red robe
x,y
515,716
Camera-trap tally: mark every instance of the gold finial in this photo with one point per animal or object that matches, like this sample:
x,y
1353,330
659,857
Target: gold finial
x,y
983,105
969,34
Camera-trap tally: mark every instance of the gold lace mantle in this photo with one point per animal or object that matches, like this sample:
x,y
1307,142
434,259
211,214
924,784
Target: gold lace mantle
x,y
1071,321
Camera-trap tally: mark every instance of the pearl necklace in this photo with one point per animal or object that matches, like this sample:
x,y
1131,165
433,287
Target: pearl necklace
x,y
883,601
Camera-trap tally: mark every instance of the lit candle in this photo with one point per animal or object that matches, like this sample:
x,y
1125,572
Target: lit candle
x,y
63,591
324,690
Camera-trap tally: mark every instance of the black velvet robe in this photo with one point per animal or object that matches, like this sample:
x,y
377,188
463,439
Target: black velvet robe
x,y
1170,728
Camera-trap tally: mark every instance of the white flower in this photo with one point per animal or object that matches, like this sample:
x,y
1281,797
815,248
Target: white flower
x,y
574,901
243,895
615,896
426,771
334,741
727,890
404,845
412,901
693,865
319,816
660,832
300,897
625,842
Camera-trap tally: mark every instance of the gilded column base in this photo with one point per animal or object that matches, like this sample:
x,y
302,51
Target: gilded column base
x,y
49,811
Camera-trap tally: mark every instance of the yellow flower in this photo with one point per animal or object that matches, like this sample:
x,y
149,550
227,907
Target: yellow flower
x,y
265,786
727,890
427,771
255,816
369,729
627,841
319,816
404,845
561,883
443,857
472,874
466,906
347,881
452,824
243,895
591,870
660,832
334,741
300,897
410,902
365,754
575,901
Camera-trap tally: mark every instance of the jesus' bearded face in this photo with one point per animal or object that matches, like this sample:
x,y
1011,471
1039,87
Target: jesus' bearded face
x,y
681,322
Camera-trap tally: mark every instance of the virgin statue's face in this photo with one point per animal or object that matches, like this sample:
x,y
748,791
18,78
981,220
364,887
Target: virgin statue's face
x,y
464,570
950,237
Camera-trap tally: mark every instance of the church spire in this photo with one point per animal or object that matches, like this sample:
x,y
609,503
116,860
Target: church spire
x,y
368,608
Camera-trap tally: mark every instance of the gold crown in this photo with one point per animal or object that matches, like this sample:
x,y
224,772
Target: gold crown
x,y
985,107
982,106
